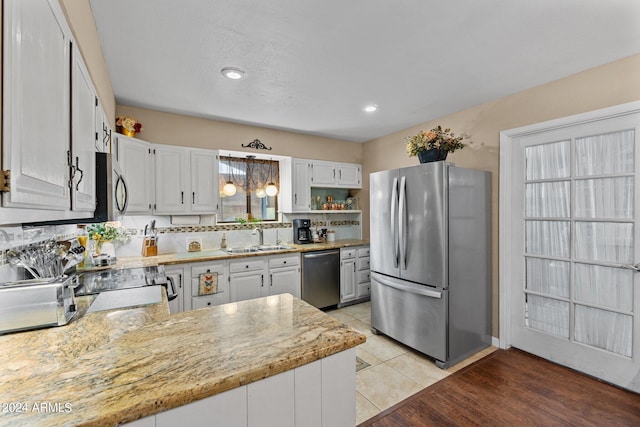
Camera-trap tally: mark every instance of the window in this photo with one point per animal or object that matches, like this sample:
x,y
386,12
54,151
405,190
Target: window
x,y
243,185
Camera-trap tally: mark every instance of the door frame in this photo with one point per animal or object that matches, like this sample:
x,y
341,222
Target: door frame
x,y
507,249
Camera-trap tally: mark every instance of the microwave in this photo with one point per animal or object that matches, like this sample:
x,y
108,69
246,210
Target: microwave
x,y
111,189
111,194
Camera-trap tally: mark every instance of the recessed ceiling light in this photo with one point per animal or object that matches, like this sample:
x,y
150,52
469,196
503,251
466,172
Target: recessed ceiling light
x,y
233,73
370,108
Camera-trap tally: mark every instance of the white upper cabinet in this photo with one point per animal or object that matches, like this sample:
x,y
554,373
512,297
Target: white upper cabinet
x,y
103,130
204,181
323,174
186,180
338,175
83,111
301,185
349,175
36,43
171,183
136,162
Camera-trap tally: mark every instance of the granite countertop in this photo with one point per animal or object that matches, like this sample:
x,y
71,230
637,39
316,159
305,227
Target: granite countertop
x,y
116,366
218,254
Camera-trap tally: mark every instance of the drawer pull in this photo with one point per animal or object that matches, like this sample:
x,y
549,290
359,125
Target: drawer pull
x,y
209,303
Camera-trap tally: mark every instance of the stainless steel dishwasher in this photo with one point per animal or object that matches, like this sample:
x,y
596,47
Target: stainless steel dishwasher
x,y
321,278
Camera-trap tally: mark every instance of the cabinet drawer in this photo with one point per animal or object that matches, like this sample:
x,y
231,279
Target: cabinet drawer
x,y
364,289
284,261
364,276
248,264
218,267
209,300
363,252
364,263
348,253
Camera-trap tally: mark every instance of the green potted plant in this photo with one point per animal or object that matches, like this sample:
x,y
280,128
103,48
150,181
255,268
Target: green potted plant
x,y
433,145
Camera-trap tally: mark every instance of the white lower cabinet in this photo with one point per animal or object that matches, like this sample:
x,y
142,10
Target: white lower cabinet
x,y
319,394
355,276
284,274
247,278
228,409
222,294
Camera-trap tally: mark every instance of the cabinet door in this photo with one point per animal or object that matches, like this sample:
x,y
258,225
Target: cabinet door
x,y
284,280
171,165
83,107
271,401
301,185
136,162
244,286
203,197
36,104
177,275
323,173
347,280
349,175
103,130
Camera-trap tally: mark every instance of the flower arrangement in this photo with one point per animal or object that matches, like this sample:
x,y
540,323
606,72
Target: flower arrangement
x,y
108,231
129,124
443,140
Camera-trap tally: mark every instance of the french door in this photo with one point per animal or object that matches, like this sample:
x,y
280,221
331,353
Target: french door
x,y
574,244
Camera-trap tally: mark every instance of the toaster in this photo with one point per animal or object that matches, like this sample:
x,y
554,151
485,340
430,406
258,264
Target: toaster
x,y
38,303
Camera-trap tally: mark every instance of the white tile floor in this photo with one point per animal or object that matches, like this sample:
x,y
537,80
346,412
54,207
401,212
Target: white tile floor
x,y
396,371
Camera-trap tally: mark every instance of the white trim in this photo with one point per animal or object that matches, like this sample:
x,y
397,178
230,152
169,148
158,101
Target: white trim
x,y
495,341
506,197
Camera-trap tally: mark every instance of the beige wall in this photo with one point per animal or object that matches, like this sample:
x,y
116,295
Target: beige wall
x,y
176,129
80,19
604,86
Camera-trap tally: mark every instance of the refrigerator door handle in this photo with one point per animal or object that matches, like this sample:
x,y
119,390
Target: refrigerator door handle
x,y
402,220
415,289
394,229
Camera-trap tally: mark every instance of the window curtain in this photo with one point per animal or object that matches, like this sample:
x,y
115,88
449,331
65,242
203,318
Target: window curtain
x,y
579,229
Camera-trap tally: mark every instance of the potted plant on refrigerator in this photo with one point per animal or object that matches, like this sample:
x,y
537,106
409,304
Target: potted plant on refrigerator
x,y
433,145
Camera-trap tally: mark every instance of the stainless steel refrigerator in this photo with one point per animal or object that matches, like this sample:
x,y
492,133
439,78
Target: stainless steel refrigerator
x,y
431,259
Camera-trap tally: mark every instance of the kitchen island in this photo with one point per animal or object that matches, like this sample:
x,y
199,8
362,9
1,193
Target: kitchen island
x,y
118,366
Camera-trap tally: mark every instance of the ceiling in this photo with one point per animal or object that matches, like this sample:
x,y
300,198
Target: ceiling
x,y
311,66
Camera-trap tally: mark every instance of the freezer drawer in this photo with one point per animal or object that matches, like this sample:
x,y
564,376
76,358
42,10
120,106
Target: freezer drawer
x,y
415,315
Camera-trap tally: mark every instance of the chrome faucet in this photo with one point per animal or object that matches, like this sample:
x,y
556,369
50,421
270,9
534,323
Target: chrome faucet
x,y
260,232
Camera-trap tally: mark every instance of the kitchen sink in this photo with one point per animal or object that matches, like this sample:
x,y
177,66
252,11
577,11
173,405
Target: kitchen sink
x,y
253,249
273,248
241,250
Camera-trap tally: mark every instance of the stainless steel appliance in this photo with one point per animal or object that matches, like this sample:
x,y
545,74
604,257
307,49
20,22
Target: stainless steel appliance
x,y
321,278
430,259
94,282
111,189
302,231
36,303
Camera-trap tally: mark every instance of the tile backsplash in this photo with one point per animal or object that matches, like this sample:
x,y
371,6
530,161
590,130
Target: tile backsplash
x,y
174,238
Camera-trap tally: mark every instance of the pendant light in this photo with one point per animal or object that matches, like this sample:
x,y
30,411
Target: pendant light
x,y
271,189
229,188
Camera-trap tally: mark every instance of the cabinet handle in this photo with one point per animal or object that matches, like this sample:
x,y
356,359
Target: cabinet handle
x,y
334,174
81,173
354,267
193,198
340,171
295,198
262,280
180,280
209,303
271,280
182,197
72,170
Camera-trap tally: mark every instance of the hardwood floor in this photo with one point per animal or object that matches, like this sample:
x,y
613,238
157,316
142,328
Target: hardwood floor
x,y
514,388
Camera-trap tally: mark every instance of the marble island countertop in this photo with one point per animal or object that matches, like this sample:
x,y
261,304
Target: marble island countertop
x,y
116,366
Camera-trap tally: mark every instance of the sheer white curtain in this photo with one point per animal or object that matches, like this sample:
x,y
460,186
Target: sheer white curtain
x,y
579,229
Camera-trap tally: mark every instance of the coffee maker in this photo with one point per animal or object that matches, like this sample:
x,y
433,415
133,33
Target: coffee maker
x,y
302,231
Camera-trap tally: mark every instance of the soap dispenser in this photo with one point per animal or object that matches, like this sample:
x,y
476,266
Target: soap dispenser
x,y
223,242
